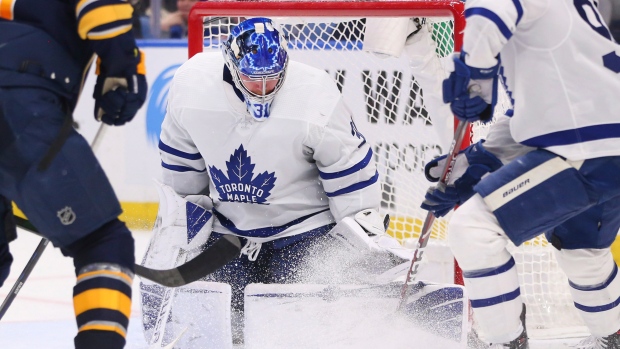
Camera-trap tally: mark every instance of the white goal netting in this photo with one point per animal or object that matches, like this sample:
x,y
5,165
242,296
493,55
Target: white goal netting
x,y
388,104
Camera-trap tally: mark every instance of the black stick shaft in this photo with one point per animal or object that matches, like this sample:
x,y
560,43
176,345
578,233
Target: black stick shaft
x,y
38,252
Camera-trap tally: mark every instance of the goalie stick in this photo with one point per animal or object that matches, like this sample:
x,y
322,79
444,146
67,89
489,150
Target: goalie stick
x,y
425,234
224,250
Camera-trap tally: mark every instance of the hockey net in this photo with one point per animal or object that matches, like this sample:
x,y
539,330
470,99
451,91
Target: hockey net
x,y
388,107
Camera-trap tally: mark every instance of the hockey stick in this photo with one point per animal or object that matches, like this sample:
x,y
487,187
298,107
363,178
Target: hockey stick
x,y
38,252
224,250
425,234
23,276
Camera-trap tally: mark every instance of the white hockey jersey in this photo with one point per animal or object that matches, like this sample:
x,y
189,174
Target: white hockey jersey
x,y
560,67
304,167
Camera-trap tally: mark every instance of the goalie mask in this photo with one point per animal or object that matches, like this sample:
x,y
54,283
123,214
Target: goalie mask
x,y
256,56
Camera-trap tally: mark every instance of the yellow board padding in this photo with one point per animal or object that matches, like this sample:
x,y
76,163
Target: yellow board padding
x,y
142,215
137,215
102,298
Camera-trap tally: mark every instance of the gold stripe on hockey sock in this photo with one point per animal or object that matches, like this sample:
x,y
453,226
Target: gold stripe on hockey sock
x,y
102,298
6,9
102,301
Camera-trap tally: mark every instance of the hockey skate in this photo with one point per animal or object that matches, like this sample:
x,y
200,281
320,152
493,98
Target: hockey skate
x,y
520,342
610,342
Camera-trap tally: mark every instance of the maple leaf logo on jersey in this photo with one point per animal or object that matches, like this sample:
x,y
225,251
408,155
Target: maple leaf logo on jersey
x,y
239,185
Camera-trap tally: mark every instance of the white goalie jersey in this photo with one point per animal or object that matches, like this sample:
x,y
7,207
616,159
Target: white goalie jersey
x,y
565,94
306,166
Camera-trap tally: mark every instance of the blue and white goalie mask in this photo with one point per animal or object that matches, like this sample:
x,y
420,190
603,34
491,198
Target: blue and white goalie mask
x,y
256,55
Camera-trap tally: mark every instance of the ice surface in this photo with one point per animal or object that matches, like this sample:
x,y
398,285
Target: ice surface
x,y
42,314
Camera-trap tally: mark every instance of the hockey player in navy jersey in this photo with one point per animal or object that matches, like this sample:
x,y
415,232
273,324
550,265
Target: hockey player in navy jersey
x,y
276,150
554,160
47,168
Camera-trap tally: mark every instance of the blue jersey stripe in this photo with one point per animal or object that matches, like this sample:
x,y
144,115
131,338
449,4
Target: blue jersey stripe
x,y
261,232
487,302
519,8
491,271
355,168
354,187
597,309
170,150
596,287
486,13
178,168
572,136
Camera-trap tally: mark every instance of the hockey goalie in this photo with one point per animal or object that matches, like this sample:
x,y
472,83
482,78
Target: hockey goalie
x,y
262,147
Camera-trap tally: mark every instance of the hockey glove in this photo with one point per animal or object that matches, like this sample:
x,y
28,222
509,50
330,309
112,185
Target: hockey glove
x,y
471,92
118,99
471,164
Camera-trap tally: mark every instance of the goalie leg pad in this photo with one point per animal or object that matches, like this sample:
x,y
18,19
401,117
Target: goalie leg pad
x,y
195,316
274,312
442,309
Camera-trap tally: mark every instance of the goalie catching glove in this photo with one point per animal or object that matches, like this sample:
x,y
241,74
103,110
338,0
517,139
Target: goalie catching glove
x,y
471,92
471,164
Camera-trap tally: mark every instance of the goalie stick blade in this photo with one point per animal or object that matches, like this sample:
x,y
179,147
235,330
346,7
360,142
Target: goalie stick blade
x,y
224,250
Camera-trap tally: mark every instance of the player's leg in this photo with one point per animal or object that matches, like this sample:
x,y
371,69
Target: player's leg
x,y
582,250
103,263
489,271
532,194
7,233
7,229
72,204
